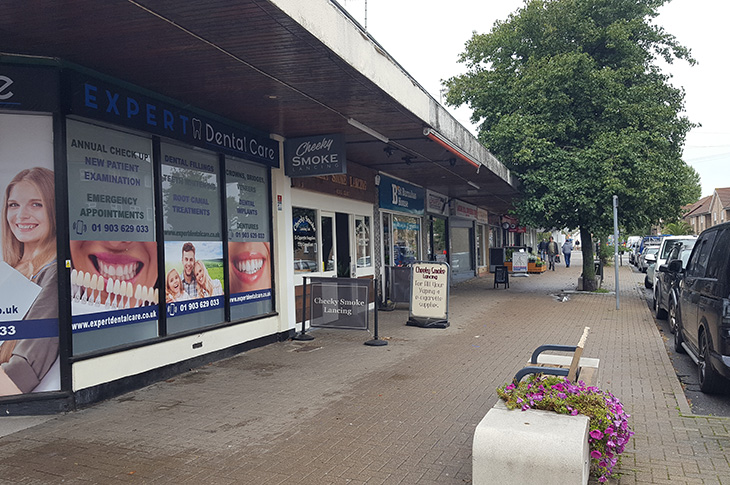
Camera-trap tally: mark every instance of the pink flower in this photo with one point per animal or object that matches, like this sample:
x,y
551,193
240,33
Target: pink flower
x,y
596,434
596,454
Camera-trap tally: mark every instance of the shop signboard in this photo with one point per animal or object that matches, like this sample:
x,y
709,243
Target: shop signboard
x,y
437,204
28,88
340,302
429,295
315,155
463,210
400,196
97,99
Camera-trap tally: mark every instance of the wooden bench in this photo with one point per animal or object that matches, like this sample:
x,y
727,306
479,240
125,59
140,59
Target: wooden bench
x,y
575,367
557,443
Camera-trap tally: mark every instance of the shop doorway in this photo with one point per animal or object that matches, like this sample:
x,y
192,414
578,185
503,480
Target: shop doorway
x,y
344,259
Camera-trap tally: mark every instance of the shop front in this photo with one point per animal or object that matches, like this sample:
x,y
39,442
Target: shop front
x,y
332,226
462,231
401,219
437,237
136,236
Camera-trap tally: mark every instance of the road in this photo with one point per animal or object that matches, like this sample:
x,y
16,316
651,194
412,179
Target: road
x,y
701,403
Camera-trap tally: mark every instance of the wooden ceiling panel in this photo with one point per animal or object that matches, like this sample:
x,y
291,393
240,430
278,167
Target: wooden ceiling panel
x,y
247,61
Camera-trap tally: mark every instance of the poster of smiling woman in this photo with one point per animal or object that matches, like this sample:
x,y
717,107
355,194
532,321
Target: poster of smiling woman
x,y
28,270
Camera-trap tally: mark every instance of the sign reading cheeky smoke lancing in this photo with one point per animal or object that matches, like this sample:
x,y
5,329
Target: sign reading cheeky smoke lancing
x,y
340,302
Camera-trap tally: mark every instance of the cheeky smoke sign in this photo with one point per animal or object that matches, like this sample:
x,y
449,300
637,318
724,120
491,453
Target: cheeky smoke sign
x,y
429,295
340,302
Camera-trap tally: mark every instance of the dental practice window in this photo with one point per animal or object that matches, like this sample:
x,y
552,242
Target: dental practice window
x,y
194,267
115,292
249,238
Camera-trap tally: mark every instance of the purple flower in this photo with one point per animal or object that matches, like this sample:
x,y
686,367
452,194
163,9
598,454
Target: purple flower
x,y
596,454
596,434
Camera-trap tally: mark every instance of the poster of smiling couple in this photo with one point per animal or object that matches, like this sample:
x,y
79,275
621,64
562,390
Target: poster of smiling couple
x,y
28,271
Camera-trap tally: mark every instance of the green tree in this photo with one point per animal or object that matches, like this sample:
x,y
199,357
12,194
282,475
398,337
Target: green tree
x,y
568,94
678,228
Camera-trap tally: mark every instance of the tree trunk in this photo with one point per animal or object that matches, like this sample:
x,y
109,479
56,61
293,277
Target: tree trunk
x,y
589,271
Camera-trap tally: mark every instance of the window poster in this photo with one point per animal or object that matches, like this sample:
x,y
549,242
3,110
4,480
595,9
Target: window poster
x,y
29,358
114,287
193,238
249,238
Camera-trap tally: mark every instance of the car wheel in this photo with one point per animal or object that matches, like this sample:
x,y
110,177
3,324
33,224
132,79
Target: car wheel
x,y
646,282
678,340
659,312
672,318
708,376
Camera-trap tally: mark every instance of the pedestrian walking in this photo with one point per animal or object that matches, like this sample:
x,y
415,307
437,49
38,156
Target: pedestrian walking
x,y
567,250
542,249
552,251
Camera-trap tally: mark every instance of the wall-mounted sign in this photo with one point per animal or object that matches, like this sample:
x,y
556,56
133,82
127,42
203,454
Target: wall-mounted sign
x,y
357,184
512,224
437,204
93,98
462,209
429,295
482,216
315,155
28,88
400,196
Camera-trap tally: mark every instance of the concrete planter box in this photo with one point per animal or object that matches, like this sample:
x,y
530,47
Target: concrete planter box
x,y
542,447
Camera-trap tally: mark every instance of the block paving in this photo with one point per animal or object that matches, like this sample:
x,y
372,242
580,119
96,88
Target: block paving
x,y
334,411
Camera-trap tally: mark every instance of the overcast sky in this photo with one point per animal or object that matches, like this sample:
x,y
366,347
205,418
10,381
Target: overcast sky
x,y
427,36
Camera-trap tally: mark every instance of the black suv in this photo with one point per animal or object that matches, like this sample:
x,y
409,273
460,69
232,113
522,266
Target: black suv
x,y
703,314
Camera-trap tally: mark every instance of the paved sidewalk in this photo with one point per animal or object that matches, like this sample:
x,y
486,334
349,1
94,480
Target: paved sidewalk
x,y
334,411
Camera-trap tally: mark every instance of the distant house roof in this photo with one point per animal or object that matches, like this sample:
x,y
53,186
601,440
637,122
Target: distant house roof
x,y
702,206
724,195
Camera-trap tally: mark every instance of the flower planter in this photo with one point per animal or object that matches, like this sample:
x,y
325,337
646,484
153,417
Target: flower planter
x,y
533,446
534,268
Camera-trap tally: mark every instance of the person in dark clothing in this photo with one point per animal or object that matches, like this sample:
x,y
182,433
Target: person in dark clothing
x,y
542,249
552,251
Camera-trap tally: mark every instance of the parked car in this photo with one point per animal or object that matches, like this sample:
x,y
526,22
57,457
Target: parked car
x,y
703,312
667,243
667,285
647,257
649,277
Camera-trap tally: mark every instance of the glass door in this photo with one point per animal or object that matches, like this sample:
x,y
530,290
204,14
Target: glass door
x,y
328,264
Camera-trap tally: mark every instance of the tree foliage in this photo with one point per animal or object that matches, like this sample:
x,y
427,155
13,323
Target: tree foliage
x,y
678,228
568,95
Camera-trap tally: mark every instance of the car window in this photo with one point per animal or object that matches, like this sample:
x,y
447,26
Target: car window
x,y
701,255
684,256
673,242
718,258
